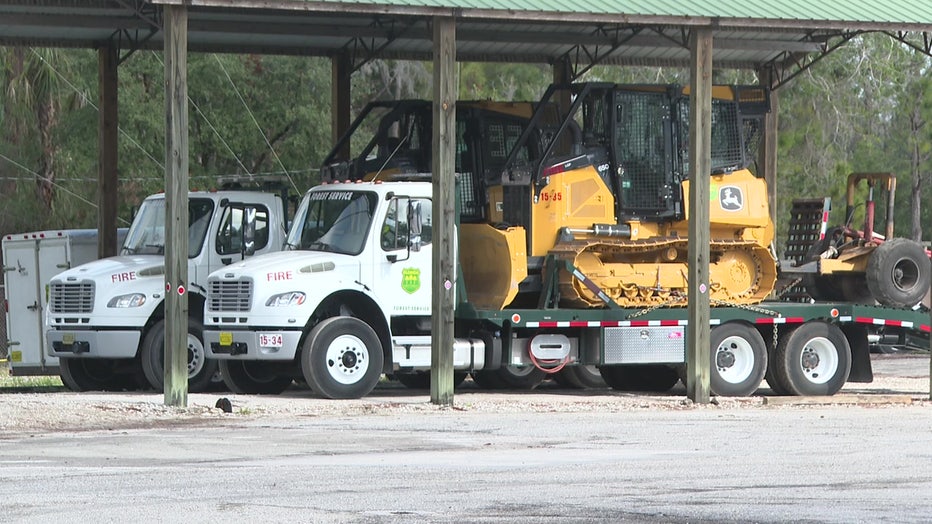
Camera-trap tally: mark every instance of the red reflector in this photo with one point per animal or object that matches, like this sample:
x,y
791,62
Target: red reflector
x,y
554,169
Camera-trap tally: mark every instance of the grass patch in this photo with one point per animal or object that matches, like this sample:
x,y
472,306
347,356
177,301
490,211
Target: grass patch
x,y
10,383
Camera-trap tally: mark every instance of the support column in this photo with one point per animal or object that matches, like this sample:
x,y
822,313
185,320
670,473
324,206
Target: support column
x,y
767,158
340,91
443,277
700,165
563,74
176,205
107,126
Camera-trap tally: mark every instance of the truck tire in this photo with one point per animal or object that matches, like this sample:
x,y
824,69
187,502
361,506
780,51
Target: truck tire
x,y
580,377
94,374
739,360
253,377
899,273
342,358
645,377
201,371
421,379
509,377
812,359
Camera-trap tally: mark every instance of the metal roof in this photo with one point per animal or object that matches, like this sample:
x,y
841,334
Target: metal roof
x,y
776,34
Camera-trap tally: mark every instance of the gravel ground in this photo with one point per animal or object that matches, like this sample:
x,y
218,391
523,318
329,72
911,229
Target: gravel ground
x,y
898,380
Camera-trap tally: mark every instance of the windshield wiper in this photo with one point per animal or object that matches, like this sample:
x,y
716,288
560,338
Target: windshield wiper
x,y
320,246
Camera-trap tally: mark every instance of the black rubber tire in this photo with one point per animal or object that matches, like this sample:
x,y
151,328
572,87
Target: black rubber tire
x,y
775,385
509,377
823,287
738,359
201,370
656,378
342,358
580,377
253,377
421,379
94,374
813,359
899,273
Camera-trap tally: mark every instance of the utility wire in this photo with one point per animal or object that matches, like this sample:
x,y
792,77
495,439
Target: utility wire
x,y
272,149
91,103
54,183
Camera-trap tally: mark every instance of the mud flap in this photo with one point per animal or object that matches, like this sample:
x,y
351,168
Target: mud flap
x,y
861,370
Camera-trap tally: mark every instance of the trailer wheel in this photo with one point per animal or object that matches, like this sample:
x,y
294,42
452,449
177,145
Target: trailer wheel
x,y
253,377
421,379
739,360
812,359
648,377
94,374
509,377
342,358
201,371
899,273
580,377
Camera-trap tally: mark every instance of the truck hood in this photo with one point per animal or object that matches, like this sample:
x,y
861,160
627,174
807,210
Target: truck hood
x,y
116,269
266,267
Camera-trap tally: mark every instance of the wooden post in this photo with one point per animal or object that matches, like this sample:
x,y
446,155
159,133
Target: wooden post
x,y
768,150
107,122
176,205
340,90
700,165
443,279
562,75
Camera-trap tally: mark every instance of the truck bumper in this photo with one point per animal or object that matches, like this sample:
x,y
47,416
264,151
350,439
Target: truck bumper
x,y
93,344
245,345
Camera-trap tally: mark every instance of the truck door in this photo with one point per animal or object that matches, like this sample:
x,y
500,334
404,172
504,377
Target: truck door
x,y
228,246
404,283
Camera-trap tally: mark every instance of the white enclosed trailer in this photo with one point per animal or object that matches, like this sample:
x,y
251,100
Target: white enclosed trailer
x,y
30,260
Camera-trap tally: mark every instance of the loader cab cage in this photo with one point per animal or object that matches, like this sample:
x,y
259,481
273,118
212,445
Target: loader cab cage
x,y
637,137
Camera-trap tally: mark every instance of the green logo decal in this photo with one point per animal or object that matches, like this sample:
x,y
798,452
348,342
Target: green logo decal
x,y
410,279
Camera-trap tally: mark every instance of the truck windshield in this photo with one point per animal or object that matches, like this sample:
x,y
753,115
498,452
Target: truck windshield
x,y
336,221
146,235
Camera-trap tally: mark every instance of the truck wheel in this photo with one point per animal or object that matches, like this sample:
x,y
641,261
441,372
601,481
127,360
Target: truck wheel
x,y
650,377
342,358
899,273
253,377
812,359
739,360
509,377
93,374
200,370
421,379
580,377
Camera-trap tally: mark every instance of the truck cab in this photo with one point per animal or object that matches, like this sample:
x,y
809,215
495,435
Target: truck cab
x,y
105,319
355,272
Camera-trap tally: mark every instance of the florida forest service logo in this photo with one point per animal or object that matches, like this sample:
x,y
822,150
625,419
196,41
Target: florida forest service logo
x,y
410,279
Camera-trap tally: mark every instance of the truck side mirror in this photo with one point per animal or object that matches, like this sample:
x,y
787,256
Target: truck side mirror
x,y
414,225
249,231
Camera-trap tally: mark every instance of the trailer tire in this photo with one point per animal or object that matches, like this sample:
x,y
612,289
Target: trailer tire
x,y
421,379
580,377
813,359
899,273
94,374
657,378
201,371
253,377
342,358
739,360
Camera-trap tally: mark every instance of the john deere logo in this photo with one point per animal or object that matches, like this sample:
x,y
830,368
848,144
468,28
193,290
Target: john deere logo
x,y
731,198
410,279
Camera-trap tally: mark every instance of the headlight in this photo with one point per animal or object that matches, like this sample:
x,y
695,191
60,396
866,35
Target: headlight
x,y
130,300
291,298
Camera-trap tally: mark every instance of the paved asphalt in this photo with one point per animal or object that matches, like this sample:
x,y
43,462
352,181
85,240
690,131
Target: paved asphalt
x,y
834,463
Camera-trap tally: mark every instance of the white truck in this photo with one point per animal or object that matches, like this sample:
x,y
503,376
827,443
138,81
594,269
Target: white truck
x,y
105,318
30,260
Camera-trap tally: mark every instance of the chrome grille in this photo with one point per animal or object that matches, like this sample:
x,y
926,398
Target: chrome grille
x,y
229,295
71,298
